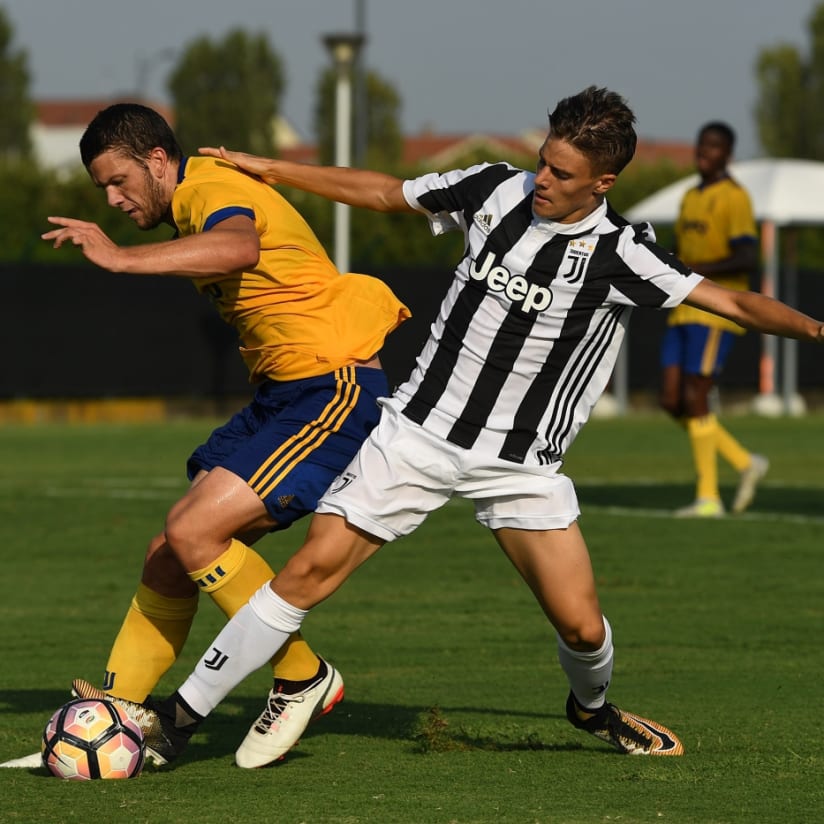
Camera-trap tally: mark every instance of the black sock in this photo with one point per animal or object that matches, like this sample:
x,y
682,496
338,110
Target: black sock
x,y
291,687
176,710
590,711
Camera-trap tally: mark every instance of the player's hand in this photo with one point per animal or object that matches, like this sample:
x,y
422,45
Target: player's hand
x,y
95,243
260,166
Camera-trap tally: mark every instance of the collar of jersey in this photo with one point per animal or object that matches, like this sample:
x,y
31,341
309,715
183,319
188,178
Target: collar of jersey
x,y
706,184
583,225
181,169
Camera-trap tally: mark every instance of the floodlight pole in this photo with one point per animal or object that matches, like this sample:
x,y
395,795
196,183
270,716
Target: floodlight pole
x,y
344,50
361,126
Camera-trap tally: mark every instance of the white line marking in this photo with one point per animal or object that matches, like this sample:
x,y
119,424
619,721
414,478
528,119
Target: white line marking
x,y
26,762
659,481
755,516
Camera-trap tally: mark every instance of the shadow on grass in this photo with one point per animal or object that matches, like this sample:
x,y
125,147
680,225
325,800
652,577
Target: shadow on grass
x,y
15,702
788,501
424,729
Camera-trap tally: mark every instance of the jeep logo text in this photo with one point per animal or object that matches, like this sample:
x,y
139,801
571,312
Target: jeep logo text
x,y
515,288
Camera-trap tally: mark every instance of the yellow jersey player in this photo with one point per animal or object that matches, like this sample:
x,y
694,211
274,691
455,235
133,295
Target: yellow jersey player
x,y
717,237
309,336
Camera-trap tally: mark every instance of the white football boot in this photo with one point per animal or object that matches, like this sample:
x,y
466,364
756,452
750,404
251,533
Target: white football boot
x,y
286,716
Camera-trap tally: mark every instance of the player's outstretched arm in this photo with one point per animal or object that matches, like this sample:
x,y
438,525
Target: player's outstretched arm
x,y
755,311
96,245
356,187
231,245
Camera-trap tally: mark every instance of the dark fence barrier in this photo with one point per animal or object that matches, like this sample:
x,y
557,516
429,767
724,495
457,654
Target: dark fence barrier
x,y
78,332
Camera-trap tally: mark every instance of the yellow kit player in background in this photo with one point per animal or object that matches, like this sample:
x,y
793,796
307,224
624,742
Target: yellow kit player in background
x,y
309,336
716,236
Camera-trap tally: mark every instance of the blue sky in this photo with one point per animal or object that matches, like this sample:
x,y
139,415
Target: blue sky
x,y
459,65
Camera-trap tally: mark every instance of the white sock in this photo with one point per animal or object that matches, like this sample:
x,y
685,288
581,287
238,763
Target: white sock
x,y
253,635
588,673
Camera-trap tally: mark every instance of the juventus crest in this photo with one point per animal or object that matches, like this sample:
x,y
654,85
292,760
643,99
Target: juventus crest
x,y
576,259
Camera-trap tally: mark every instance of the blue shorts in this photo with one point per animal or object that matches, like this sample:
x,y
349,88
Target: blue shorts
x,y
697,349
296,437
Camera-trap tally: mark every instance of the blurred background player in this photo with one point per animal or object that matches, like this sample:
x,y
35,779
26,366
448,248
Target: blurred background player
x,y
716,236
309,336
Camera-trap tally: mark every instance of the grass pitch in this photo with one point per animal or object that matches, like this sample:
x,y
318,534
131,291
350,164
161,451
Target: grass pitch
x,y
454,700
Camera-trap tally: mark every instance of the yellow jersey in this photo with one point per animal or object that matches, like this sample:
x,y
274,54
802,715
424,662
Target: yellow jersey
x,y
711,219
296,316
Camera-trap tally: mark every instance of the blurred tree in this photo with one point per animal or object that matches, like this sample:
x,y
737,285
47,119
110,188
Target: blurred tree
x,y
17,108
22,192
227,92
788,113
384,141
780,106
790,118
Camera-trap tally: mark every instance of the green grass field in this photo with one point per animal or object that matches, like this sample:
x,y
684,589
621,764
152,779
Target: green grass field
x,y
454,699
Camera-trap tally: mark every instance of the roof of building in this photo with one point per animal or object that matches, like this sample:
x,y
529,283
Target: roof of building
x,y
59,113
427,147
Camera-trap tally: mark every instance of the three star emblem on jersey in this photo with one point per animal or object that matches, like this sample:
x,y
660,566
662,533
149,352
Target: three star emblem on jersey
x,y
576,260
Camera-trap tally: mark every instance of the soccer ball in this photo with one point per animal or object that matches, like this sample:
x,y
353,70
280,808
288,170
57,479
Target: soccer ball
x,y
87,739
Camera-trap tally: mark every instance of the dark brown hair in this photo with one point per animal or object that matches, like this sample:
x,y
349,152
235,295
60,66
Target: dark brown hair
x,y
599,124
131,129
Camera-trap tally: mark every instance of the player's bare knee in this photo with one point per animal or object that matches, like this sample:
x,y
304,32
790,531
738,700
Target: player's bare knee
x,y
163,572
178,537
193,545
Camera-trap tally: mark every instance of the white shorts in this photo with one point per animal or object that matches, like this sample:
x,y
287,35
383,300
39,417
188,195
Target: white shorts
x,y
402,473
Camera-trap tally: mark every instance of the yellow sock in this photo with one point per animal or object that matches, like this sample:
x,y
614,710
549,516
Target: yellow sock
x,y
230,581
731,450
150,639
702,433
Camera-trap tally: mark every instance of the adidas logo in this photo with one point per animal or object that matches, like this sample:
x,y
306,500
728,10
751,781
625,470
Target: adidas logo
x,y
484,222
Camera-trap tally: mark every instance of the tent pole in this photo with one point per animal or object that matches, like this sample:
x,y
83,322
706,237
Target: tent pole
x,y
793,403
767,402
621,377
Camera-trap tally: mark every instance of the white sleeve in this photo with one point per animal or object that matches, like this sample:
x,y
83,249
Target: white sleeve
x,y
439,223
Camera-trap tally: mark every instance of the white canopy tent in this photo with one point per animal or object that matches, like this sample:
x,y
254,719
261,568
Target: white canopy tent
x,y
785,193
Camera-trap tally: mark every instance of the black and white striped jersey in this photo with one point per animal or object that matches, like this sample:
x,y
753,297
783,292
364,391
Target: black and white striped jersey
x,y
526,338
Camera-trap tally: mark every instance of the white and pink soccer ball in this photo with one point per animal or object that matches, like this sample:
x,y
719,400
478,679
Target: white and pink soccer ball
x,y
87,739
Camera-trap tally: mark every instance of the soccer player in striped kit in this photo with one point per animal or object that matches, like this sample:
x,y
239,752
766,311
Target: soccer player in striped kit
x,y
521,349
